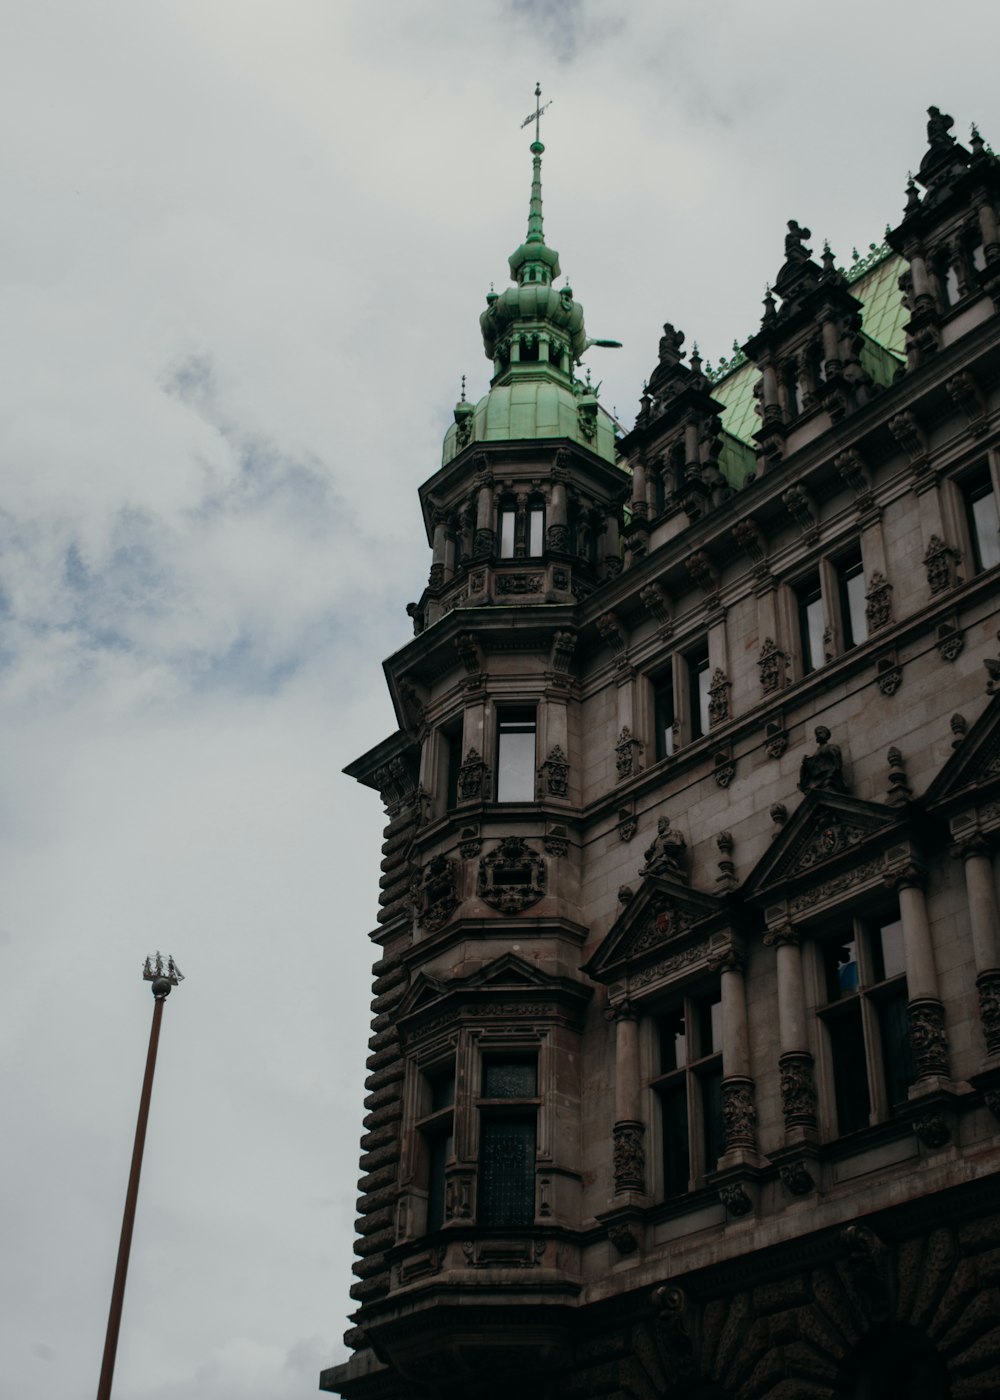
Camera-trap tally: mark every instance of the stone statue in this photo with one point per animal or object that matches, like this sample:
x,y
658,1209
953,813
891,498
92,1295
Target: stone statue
x,y
939,125
825,767
667,856
795,238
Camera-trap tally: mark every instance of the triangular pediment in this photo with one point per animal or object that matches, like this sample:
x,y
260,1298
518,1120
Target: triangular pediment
x,y
422,992
662,913
826,829
506,971
974,766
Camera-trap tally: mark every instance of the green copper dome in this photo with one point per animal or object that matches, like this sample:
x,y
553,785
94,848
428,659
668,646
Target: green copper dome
x,y
534,333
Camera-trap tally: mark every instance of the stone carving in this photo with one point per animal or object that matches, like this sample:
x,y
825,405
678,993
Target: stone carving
x,y
484,545
824,768
556,840
703,571
473,776
772,663
626,894
519,583
796,1178
868,1269
667,924
667,856
800,506
560,578
959,728
623,1239
436,898
992,1098
557,538
798,1091
867,873
739,1114
775,738
469,653
726,877
852,468
908,433
779,814
627,750
748,536
899,788
655,600
735,1199
628,823
988,984
933,1130
718,698
724,769
950,641
556,768
629,1156
939,561
471,843
673,1329
674,963
888,675
928,1037
563,647
612,632
878,602
967,396
512,877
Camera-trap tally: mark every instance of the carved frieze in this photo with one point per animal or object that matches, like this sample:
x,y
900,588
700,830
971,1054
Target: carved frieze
x,y
512,877
519,583
739,1114
436,895
629,1157
988,984
798,1089
928,1037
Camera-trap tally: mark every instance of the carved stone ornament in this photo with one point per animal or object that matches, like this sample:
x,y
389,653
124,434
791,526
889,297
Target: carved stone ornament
x,y
673,1329
556,768
718,698
988,984
628,824
629,1156
867,1268
437,900
888,675
939,561
724,766
992,1098
557,538
512,877
950,641
484,545
933,1130
735,1199
519,583
908,433
471,843
623,1238
655,600
775,738
825,767
796,1178
556,840
772,664
928,1038
473,776
878,602
667,856
739,1114
627,750
798,1089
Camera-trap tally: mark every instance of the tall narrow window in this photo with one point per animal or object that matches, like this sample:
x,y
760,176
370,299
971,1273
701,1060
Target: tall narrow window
x,y
871,1055
689,1089
851,583
981,516
809,598
436,1132
508,530
663,715
536,529
453,763
508,1110
699,677
516,755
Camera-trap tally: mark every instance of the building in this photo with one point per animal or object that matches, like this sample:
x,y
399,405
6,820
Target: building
x,y
685,1065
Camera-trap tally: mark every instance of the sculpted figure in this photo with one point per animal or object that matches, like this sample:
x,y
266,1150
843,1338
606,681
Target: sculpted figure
x,y
825,767
668,854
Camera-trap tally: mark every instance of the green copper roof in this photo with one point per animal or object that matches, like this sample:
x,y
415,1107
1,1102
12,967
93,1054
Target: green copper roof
x,y
536,409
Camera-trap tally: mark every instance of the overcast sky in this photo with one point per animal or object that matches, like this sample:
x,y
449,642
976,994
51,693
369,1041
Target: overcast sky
x,y
243,253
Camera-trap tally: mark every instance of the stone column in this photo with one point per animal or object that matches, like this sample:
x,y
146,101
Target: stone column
x,y
988,226
798,1089
640,504
984,919
557,532
629,1129
925,1012
484,545
769,396
739,1113
923,295
831,345
440,549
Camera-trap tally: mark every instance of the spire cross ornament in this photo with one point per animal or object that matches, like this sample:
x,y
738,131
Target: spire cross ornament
x,y
536,115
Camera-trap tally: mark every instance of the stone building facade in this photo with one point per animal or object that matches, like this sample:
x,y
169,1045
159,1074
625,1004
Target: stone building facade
x,y
685,1059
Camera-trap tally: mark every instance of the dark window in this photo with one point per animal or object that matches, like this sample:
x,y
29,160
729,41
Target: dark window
x,y
507,1142
981,514
699,677
516,756
851,584
809,596
689,1089
866,1022
436,1127
453,759
663,715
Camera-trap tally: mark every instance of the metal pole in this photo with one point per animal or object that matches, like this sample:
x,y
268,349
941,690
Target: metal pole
x,y
161,990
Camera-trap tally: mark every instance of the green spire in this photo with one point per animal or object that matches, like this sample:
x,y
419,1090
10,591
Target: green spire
x,y
534,261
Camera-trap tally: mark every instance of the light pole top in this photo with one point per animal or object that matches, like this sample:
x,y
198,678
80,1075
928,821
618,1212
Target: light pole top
x,y
163,976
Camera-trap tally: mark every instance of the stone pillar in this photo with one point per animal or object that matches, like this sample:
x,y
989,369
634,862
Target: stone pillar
x,y
629,1130
983,920
484,545
557,532
769,395
640,505
923,295
739,1113
798,1089
831,346
925,1012
440,547
988,227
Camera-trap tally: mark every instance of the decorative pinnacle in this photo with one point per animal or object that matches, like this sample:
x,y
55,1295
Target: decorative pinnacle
x,y
536,117
463,388
162,977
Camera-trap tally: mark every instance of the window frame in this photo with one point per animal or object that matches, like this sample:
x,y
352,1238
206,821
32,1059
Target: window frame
x,y
507,1108
978,482
515,717
434,1136
688,1080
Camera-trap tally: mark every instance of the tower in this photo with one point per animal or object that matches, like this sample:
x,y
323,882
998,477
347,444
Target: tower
x,y
685,1065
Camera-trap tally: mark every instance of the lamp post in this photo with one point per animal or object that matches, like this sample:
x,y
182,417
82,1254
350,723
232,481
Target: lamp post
x,y
163,978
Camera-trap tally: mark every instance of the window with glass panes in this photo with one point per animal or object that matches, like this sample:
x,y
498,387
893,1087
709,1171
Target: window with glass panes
x,y
809,600
851,588
516,755
699,679
864,986
508,1112
536,527
436,1133
688,1086
663,715
981,518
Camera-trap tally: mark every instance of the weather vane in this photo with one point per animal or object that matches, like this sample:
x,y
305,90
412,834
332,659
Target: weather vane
x,y
155,971
536,115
